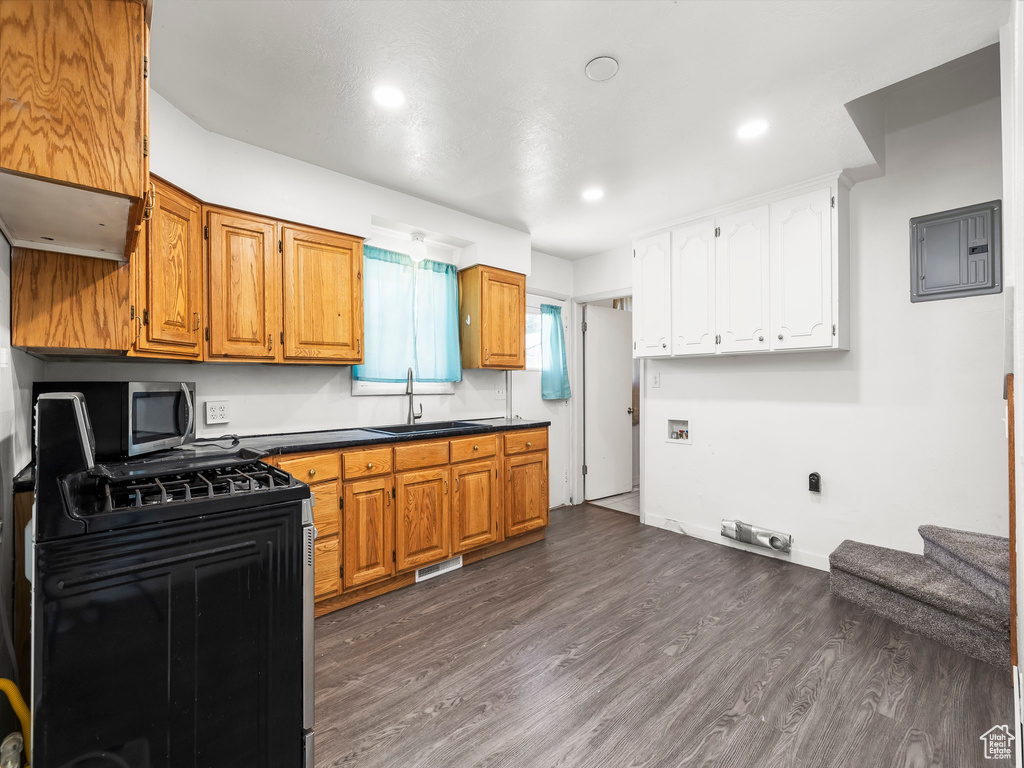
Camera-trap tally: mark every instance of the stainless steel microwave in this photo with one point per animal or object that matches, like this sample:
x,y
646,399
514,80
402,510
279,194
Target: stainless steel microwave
x,y
130,418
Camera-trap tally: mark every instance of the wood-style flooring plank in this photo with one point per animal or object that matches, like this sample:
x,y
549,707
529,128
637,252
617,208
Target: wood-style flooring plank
x,y
611,645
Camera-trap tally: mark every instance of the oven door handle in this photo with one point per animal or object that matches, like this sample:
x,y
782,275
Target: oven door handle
x,y
190,413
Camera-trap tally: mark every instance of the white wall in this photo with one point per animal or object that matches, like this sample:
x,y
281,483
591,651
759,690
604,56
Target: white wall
x,y
604,275
1011,45
223,171
550,276
906,428
17,371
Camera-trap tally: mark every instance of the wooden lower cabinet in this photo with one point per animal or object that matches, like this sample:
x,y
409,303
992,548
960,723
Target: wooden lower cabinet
x,y
422,515
368,532
526,497
475,505
326,578
326,551
382,512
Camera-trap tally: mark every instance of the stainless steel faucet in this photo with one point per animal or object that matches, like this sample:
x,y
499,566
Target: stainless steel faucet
x,y
408,390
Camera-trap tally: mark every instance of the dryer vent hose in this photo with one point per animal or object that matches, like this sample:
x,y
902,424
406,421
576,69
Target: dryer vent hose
x,y
20,709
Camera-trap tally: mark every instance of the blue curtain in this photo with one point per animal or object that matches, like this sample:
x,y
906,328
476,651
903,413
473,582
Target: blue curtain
x,y
554,369
410,318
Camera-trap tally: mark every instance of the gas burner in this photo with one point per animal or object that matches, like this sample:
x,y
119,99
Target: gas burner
x,y
184,487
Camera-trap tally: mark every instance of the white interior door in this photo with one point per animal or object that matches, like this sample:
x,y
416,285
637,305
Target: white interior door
x,y
801,271
652,297
528,404
741,258
693,289
607,423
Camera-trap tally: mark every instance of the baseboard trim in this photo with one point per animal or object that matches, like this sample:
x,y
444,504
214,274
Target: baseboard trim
x,y
714,535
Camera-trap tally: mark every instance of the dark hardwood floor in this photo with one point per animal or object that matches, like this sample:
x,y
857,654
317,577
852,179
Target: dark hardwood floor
x,y
613,644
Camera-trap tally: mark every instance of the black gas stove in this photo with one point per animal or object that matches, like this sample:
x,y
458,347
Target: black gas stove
x,y
172,606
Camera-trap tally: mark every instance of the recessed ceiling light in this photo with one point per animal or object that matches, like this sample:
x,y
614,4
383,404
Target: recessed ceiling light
x,y
602,68
388,96
753,129
593,194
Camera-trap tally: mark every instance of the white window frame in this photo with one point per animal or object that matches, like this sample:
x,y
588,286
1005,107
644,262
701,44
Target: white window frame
x,y
377,388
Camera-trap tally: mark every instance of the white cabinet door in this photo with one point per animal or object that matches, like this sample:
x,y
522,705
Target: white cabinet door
x,y
741,298
801,271
693,289
652,311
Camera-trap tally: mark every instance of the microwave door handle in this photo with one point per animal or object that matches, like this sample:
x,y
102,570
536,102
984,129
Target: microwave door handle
x,y
189,411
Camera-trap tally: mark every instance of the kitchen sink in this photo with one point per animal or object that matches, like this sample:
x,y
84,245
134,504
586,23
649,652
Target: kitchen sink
x,y
430,426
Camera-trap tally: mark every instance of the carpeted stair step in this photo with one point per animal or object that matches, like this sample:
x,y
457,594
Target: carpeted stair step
x,y
923,597
980,559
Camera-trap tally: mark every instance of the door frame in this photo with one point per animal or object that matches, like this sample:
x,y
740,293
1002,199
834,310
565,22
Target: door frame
x,y
576,404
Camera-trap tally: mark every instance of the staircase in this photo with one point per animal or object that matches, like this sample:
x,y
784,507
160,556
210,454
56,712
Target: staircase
x,y
957,593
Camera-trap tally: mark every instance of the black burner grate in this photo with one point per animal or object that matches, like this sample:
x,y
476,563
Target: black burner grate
x,y
192,486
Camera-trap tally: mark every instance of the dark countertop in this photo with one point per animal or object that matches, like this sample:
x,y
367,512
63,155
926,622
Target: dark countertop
x,y
328,440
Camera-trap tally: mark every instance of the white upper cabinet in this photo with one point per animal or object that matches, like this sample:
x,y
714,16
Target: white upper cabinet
x,y
801,271
742,263
652,310
772,276
693,289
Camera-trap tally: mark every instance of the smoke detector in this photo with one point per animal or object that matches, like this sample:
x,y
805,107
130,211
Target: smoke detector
x,y
602,68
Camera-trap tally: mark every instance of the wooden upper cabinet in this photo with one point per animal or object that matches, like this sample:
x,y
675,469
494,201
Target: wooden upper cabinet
x,y
492,318
169,278
244,274
475,505
526,498
73,92
323,296
368,532
421,518
62,302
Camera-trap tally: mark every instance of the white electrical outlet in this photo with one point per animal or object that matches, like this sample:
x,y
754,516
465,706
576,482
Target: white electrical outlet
x,y
655,379
499,392
217,412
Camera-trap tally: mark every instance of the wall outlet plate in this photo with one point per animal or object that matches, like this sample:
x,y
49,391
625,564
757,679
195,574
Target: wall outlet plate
x,y
217,412
499,391
656,380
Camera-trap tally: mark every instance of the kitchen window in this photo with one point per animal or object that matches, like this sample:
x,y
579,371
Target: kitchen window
x,y
410,318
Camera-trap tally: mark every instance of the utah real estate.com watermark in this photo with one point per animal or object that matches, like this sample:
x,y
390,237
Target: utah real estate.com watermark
x,y
998,741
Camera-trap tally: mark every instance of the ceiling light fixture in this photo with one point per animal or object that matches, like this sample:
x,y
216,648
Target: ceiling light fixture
x,y
418,248
753,129
388,96
602,68
593,194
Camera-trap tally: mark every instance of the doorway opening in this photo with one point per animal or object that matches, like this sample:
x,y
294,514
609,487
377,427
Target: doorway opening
x,y
611,406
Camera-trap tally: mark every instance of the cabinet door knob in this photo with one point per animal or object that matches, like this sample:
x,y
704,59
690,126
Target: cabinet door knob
x,y
369,465
780,337
312,473
663,345
528,443
476,447
760,338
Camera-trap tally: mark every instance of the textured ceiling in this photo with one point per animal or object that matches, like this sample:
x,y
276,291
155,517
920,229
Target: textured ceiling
x,y
501,122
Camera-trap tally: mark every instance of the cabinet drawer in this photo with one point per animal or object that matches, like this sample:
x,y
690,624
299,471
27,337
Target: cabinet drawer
x,y
326,512
326,573
478,447
311,468
369,463
421,455
527,440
